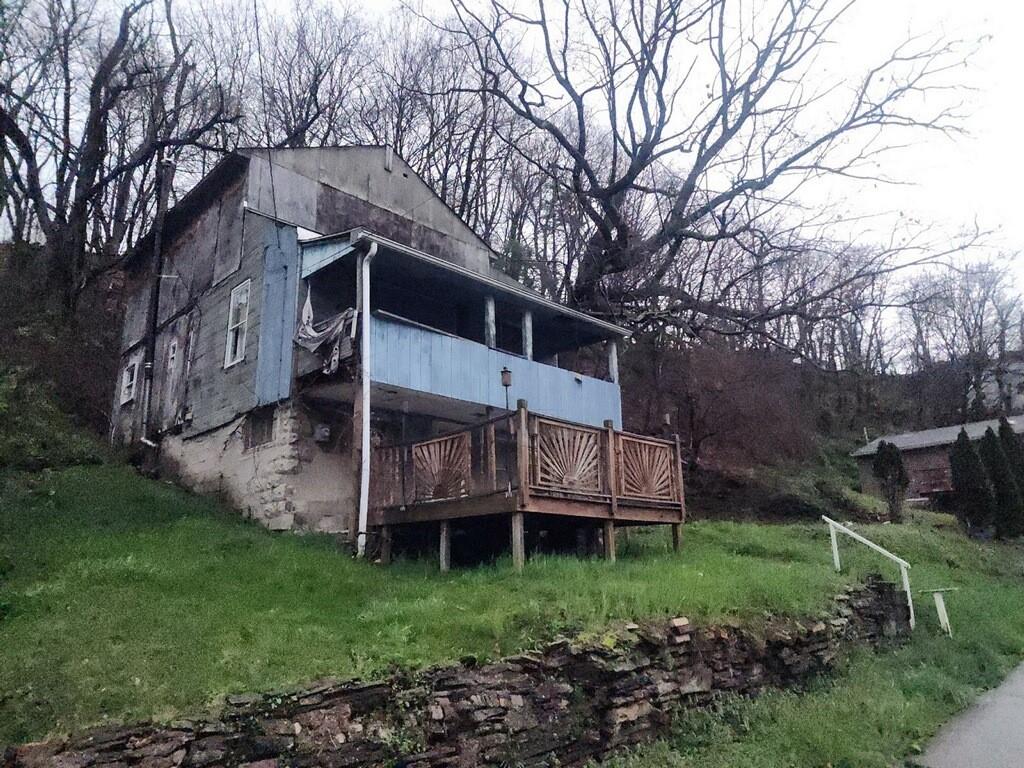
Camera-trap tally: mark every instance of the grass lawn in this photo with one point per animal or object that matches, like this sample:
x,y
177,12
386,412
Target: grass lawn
x,y
123,598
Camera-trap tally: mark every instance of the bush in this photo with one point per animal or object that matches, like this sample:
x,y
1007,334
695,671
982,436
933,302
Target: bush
x,y
1010,441
975,502
888,467
34,433
1009,508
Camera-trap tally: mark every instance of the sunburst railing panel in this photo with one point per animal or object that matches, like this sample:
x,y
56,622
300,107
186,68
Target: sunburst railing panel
x,y
442,467
646,468
568,457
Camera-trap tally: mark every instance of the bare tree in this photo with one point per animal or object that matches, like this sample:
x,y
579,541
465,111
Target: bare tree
x,y
701,109
965,314
84,117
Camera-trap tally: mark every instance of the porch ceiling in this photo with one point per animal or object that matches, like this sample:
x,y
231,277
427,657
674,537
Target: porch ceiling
x,y
429,272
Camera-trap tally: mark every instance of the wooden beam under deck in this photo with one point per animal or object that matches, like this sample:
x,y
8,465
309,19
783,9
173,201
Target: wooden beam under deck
x,y
497,503
628,511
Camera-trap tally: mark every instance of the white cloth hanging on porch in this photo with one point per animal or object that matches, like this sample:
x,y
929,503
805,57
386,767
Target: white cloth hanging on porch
x,y
331,338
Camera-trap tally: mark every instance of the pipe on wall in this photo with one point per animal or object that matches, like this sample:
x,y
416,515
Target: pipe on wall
x,y
364,394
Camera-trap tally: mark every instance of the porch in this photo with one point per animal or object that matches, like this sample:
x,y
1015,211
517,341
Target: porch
x,y
521,465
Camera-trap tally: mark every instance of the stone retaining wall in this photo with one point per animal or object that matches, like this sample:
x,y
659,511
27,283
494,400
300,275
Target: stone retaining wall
x,y
563,705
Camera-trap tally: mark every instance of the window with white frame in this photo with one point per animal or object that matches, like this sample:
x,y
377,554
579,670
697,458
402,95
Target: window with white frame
x,y
238,318
172,355
128,379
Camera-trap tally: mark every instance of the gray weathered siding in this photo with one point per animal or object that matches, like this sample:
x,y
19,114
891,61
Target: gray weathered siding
x,y
210,395
218,394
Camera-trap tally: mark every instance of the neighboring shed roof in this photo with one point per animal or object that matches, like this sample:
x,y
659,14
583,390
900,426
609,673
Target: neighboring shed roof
x,y
929,438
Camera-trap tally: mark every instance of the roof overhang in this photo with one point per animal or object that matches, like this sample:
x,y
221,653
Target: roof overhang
x,y
330,248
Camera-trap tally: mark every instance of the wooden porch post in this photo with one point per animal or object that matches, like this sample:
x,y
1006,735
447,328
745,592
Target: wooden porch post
x,y
613,360
445,548
385,545
490,453
523,472
518,541
528,334
677,528
523,452
490,323
613,467
609,540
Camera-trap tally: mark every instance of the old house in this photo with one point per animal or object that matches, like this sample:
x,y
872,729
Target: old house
x,y
334,350
925,456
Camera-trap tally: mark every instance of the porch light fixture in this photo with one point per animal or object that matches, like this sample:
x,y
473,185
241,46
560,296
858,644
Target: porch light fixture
x,y
506,382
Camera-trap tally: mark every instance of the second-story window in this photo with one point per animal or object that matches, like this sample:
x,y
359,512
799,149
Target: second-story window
x,y
238,318
128,377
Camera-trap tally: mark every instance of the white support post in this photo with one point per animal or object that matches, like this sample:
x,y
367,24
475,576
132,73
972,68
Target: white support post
x,y
490,323
940,609
906,588
364,394
528,334
613,360
835,548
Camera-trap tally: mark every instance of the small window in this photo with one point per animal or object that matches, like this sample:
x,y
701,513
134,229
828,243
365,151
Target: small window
x,y
172,355
259,428
128,377
238,318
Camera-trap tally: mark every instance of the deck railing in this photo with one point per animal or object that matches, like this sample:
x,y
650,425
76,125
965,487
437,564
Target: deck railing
x,y
530,454
475,461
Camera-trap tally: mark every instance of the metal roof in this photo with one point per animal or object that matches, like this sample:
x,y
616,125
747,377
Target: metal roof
x,y
928,438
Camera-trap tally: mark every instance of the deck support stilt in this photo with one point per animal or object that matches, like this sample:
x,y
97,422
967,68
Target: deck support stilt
x,y
677,536
518,541
582,542
609,541
445,548
385,545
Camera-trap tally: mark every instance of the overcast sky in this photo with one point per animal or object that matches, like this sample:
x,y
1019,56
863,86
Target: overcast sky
x,y
956,180
949,182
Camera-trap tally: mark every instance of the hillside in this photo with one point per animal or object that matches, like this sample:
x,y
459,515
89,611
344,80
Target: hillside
x,y
126,598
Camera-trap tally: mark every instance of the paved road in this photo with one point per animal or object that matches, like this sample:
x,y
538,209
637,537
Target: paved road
x,y
988,735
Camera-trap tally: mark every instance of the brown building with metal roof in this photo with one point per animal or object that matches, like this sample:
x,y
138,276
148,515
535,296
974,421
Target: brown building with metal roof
x,y
925,455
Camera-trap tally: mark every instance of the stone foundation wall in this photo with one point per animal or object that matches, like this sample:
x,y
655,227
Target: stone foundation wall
x,y
563,705
289,482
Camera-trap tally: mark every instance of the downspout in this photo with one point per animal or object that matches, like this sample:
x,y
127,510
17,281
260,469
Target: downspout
x,y
364,393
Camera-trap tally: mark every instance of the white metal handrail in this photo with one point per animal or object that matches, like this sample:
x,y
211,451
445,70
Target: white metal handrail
x,y
833,526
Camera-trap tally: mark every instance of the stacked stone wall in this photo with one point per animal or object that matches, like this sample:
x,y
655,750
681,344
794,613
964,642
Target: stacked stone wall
x,y
563,705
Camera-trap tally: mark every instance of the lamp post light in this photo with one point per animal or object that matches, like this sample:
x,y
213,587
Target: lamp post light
x,y
506,382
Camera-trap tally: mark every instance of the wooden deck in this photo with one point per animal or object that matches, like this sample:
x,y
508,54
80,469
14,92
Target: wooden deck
x,y
525,464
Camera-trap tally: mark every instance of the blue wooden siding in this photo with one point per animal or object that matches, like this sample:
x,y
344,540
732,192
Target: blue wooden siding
x,y
318,255
278,313
424,361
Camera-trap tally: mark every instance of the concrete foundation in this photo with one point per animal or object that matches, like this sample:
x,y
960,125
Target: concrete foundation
x,y
280,477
